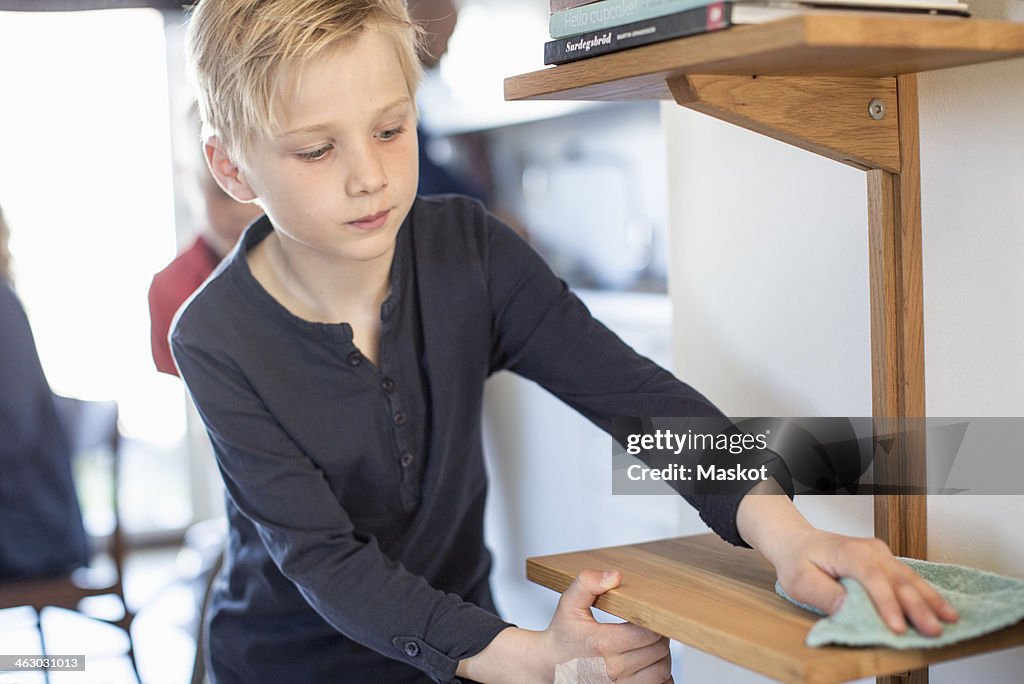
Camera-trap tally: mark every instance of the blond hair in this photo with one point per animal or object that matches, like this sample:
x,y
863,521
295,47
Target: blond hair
x,y
5,253
240,50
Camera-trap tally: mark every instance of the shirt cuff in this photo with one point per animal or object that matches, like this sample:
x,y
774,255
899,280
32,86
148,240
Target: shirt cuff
x,y
481,625
718,510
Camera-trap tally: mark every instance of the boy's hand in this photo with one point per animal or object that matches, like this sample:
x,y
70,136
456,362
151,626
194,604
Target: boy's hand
x,y
809,563
631,654
813,560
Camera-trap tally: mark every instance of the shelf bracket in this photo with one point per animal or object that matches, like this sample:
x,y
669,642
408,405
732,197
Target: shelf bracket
x,y
850,120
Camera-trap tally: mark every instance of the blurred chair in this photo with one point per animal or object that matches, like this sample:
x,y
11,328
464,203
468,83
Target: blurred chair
x,y
90,426
199,564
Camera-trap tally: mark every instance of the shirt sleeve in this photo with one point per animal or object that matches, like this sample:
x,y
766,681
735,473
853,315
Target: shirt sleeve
x,y
340,571
543,332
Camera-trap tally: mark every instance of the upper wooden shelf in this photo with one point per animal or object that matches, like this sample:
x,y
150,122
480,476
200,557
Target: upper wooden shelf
x,y
721,599
811,45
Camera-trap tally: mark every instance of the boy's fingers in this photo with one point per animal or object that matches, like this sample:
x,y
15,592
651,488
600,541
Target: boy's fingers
x,y
915,600
882,593
613,639
923,605
620,666
588,585
936,603
918,610
656,673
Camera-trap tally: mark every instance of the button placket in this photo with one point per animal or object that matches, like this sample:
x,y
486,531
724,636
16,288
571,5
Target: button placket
x,y
401,420
406,461
407,464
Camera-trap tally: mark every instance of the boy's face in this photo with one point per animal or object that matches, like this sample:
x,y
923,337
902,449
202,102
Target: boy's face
x,y
340,177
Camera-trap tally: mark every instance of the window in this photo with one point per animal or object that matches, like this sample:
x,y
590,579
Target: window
x,y
86,186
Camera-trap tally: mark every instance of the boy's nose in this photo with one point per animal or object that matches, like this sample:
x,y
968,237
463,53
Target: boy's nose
x,y
366,173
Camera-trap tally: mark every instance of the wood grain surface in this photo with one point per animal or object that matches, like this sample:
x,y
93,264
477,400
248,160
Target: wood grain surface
x,y
825,115
721,599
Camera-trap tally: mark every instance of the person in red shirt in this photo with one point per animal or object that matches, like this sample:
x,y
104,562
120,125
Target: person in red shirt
x,y
226,220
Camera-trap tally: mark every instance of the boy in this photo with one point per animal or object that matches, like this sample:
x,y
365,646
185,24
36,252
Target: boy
x,y
338,359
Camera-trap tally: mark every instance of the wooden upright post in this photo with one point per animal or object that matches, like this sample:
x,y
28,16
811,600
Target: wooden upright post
x,y
897,341
897,321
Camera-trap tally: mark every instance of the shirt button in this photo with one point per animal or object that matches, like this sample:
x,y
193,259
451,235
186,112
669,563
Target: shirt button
x,y
388,385
399,418
406,459
355,358
412,649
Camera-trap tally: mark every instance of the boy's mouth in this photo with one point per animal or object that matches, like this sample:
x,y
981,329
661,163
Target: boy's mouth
x,y
372,221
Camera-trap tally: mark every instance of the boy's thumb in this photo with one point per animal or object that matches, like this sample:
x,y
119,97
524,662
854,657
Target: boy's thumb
x,y
588,585
821,591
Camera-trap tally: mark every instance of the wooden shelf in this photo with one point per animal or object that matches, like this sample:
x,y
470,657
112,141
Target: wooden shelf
x,y
812,45
842,86
721,599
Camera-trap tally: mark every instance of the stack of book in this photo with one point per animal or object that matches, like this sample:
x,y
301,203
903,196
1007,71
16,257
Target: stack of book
x,y
588,28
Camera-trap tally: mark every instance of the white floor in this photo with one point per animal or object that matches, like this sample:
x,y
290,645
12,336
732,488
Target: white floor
x,y
163,631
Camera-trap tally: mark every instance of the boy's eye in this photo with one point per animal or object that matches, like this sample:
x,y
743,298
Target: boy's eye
x,y
391,133
314,155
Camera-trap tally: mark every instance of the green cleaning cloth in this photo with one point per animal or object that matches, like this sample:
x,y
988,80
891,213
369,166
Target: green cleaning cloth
x,y
985,602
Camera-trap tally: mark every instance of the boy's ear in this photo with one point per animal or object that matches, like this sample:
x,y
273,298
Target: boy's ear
x,y
228,175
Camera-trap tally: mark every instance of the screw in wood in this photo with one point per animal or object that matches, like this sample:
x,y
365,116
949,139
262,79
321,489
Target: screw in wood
x,y
876,108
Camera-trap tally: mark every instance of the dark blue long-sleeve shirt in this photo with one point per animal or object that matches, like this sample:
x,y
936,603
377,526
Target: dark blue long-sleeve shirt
x,y
356,491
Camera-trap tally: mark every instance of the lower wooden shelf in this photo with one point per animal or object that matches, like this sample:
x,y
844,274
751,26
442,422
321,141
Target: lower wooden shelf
x,y
721,599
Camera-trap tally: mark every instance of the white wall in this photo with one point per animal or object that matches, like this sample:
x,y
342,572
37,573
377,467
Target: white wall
x,y
769,280
550,470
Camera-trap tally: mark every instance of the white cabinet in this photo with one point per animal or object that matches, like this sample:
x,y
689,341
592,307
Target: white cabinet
x,y
550,470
